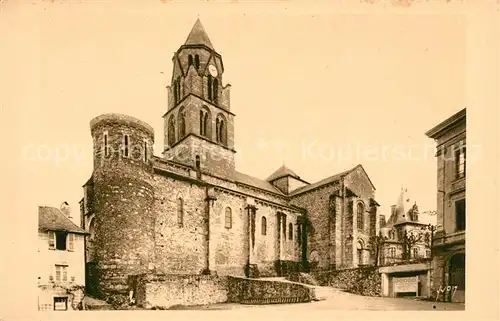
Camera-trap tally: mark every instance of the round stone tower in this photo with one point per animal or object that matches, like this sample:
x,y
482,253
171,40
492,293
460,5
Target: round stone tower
x,y
123,200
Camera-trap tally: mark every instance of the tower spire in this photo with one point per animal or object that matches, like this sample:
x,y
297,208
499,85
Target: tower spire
x,y
198,36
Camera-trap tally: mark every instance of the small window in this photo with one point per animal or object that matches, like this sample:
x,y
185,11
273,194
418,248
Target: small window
x,y
460,215
190,60
428,253
215,88
125,145
197,61
61,273
60,240
71,242
106,148
360,213
264,225
198,162
145,151
299,234
60,303
290,231
392,252
415,252
180,212
228,218
209,87
460,161
284,227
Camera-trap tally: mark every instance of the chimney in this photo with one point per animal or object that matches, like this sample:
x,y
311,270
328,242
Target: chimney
x,y
382,220
393,209
66,210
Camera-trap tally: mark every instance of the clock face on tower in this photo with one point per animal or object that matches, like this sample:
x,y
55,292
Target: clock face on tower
x,y
212,70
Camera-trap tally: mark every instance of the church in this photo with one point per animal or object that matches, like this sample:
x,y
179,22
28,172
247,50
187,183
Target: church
x,y
190,211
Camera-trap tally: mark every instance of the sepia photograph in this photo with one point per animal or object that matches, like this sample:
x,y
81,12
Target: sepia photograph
x,y
249,156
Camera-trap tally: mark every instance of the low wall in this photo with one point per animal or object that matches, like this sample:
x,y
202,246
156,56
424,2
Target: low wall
x,y
300,277
166,291
365,280
255,291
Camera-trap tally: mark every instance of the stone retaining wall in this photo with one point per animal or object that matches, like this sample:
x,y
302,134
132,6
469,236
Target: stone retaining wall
x,y
365,281
254,291
166,291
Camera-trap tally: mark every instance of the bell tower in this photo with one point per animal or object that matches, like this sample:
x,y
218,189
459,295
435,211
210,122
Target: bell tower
x,y
199,125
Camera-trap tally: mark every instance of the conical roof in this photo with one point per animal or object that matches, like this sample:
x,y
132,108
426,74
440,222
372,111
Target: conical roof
x,y
403,209
198,36
282,172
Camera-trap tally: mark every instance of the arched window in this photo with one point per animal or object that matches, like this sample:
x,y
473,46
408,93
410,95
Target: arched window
x,y
263,227
360,249
209,87
205,122
171,130
415,252
428,253
145,151
126,144
299,234
180,212
190,60
215,89
360,211
220,129
177,89
392,252
92,230
228,221
197,162
392,234
290,231
182,123
197,61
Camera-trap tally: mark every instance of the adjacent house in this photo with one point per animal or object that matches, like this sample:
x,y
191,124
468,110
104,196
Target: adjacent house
x,y
61,272
449,241
405,251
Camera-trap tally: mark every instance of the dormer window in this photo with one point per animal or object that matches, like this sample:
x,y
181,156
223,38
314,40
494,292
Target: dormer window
x,y
59,240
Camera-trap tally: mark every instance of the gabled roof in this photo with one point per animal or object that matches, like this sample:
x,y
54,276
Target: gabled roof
x,y
198,36
256,182
52,219
282,172
325,181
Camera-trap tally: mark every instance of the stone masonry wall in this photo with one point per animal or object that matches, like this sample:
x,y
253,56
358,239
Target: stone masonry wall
x,y
122,200
321,238
166,291
254,291
364,281
180,248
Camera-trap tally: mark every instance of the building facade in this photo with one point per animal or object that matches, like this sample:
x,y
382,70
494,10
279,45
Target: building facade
x,y
190,211
449,239
61,259
405,251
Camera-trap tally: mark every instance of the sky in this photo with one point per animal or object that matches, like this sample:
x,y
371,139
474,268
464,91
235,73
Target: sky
x,y
316,90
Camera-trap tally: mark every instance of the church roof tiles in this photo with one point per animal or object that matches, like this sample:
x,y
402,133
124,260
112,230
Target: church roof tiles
x,y
52,219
